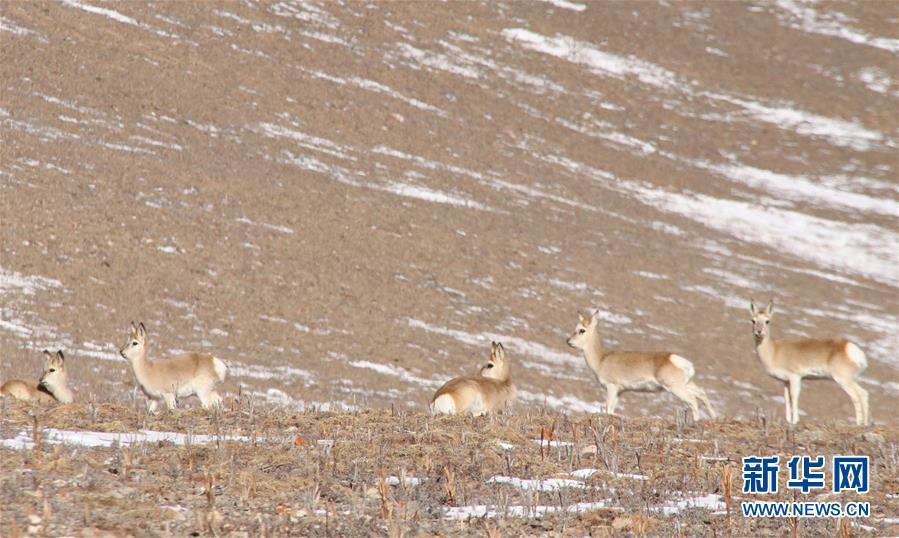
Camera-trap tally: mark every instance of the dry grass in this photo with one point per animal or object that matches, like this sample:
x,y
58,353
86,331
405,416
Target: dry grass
x,y
289,482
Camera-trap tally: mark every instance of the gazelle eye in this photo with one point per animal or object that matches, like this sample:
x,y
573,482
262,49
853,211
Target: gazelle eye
x,y
52,370
582,331
767,321
490,365
134,343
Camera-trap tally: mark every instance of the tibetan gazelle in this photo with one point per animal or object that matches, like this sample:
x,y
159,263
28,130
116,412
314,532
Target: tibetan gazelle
x,y
180,376
621,371
53,386
487,392
790,361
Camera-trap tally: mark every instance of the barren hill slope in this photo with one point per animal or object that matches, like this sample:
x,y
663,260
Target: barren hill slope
x,y
348,201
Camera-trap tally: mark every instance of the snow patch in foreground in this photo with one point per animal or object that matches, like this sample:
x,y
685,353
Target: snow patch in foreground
x,y
408,481
24,439
550,484
587,473
707,502
554,444
517,511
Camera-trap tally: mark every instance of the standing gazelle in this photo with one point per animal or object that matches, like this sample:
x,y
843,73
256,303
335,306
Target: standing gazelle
x,y
181,376
790,361
621,371
485,393
53,386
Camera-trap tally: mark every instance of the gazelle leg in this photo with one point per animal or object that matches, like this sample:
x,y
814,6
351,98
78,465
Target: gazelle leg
x,y
684,393
209,398
795,388
859,397
695,389
866,412
170,401
611,398
214,399
852,390
152,406
788,403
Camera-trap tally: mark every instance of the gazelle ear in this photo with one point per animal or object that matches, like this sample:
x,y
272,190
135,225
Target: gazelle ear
x,y
47,355
133,329
770,308
141,330
752,308
60,356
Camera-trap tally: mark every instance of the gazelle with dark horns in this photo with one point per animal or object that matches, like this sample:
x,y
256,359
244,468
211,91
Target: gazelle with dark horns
x,y
621,371
791,360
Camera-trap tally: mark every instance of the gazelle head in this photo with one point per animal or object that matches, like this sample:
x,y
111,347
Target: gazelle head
x,y
761,319
136,343
498,366
54,371
585,329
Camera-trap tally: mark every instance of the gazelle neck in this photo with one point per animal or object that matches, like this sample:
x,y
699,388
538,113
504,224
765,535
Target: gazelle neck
x,y
61,392
764,346
506,378
593,348
141,364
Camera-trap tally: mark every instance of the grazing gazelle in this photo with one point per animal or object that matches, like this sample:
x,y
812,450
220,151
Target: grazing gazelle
x,y
790,361
485,393
181,376
621,371
53,386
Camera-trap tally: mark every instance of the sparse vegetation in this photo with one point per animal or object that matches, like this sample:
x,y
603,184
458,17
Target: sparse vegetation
x,y
382,472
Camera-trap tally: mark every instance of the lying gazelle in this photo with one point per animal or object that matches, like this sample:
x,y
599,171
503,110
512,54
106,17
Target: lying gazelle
x,y
485,393
621,371
790,361
180,376
52,387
